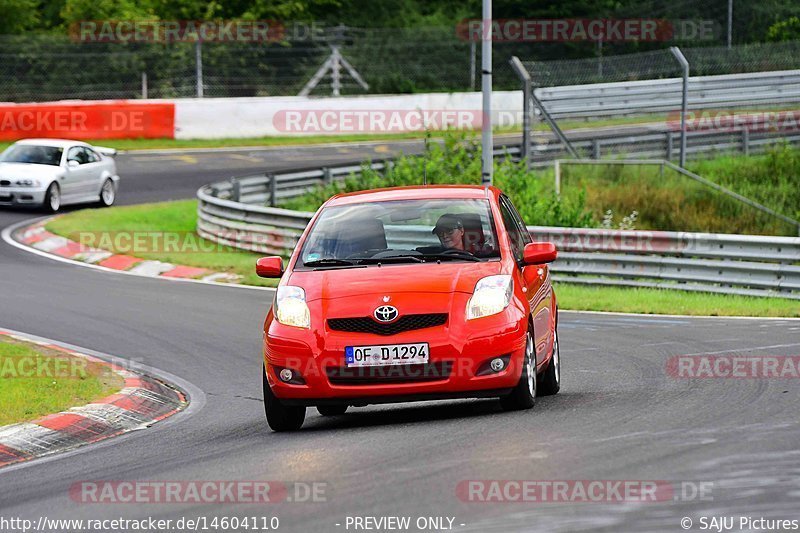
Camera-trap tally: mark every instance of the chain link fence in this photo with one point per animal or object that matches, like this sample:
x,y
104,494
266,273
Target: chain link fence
x,y
390,60
656,64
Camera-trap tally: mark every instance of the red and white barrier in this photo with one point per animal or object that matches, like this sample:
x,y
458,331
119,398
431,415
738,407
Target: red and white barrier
x,y
221,118
104,119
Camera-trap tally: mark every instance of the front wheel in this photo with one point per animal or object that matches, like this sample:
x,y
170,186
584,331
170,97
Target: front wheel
x,y
280,417
108,194
524,394
551,378
52,198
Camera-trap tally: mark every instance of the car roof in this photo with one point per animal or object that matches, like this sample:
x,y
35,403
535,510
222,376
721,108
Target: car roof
x,y
57,143
416,192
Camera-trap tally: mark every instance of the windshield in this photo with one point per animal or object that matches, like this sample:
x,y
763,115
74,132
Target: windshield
x,y
29,153
403,231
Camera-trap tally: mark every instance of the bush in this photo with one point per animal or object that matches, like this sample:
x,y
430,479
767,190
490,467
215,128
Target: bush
x,y
668,201
457,161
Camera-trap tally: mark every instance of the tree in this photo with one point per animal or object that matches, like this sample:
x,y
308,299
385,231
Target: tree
x,y
785,30
18,16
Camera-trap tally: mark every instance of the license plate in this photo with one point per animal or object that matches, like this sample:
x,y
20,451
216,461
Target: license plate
x,y
386,354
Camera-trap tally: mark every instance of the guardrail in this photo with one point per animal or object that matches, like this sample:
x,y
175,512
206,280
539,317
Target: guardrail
x,y
269,188
656,142
732,264
262,189
750,265
751,90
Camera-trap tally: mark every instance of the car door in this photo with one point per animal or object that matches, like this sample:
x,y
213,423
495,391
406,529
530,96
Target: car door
x,y
99,166
535,278
78,179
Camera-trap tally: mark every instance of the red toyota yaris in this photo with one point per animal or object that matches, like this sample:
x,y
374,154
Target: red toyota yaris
x,y
406,294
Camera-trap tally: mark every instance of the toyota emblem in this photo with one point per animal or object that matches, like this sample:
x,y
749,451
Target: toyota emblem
x,y
386,313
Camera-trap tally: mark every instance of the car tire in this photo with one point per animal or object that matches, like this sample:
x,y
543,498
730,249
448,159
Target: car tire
x,y
332,410
52,198
108,194
524,394
281,417
551,378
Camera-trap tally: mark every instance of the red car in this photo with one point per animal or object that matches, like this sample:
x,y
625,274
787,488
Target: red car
x,y
407,294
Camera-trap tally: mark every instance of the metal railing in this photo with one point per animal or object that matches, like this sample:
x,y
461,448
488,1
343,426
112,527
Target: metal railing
x,y
642,142
659,96
655,142
232,213
749,265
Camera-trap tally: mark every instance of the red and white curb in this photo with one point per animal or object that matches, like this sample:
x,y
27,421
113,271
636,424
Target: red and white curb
x,y
37,237
143,401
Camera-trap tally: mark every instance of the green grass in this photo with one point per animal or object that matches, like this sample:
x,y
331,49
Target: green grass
x,y
672,202
670,302
36,381
180,217
164,219
772,179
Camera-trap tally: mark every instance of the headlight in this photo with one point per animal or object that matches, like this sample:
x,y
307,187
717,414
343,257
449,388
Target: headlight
x,y
492,294
291,308
26,183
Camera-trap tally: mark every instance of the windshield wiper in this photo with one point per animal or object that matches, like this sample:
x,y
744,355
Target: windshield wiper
x,y
399,258
329,262
466,256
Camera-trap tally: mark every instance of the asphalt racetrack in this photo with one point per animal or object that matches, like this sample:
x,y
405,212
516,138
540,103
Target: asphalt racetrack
x,y
619,416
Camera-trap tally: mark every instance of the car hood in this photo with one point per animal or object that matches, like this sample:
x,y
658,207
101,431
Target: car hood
x,y
442,278
28,170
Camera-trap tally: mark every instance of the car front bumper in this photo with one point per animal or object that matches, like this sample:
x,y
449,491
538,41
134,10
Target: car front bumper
x,y
457,367
21,196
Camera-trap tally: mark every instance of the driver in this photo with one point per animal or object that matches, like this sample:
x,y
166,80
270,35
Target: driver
x,y
450,231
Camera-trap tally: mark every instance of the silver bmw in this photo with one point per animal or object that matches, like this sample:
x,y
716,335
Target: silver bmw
x,y
51,173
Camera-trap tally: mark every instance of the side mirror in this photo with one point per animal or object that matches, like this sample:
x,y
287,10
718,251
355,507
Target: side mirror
x,y
537,253
73,164
269,267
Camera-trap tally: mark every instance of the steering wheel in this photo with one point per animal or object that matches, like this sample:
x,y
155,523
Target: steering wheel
x,y
454,251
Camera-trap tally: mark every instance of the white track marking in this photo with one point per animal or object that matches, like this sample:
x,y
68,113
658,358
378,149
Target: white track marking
x,y
195,396
749,349
8,231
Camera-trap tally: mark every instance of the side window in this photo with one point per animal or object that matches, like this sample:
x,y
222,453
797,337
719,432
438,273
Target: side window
x,y
93,156
526,236
72,155
514,233
83,156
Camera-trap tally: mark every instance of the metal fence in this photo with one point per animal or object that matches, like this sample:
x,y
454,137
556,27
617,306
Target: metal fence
x,y
655,141
731,264
600,91
390,61
233,213
663,96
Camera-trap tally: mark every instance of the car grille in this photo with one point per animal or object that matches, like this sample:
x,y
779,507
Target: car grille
x,y
374,375
366,324
5,183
